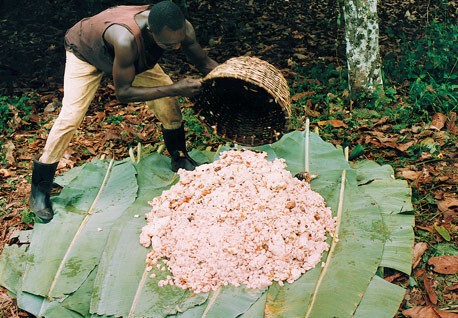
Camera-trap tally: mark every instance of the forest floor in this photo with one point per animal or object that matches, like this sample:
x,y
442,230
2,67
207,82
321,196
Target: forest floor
x,y
288,34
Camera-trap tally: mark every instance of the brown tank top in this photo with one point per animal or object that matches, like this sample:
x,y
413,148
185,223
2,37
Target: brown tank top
x,y
85,39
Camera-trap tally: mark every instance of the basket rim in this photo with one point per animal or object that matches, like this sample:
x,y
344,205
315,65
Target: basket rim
x,y
264,76
285,103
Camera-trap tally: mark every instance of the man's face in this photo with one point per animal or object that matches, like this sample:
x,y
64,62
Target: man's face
x,y
168,39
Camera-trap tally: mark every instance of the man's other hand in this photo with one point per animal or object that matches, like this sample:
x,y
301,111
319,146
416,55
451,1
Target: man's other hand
x,y
188,87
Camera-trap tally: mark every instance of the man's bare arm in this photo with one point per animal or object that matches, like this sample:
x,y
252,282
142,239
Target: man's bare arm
x,y
195,53
124,71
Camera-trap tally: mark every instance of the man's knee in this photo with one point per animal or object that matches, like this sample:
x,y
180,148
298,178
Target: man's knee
x,y
67,124
172,124
167,111
171,120
164,103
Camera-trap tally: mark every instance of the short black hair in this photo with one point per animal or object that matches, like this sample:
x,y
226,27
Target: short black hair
x,y
165,14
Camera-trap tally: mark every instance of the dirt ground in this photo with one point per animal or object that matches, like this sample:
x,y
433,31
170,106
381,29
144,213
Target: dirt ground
x,y
284,33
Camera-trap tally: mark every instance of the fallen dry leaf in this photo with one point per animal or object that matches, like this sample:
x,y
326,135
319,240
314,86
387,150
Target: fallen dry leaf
x,y
100,116
452,172
444,264
425,228
418,273
418,251
382,121
449,208
447,204
410,175
336,123
391,278
51,107
9,155
26,156
382,140
426,156
424,134
420,312
428,283
299,96
5,173
441,137
300,57
403,147
438,121
445,314
427,312
451,124
112,134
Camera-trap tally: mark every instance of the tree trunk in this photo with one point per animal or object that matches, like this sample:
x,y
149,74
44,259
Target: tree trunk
x,y
363,54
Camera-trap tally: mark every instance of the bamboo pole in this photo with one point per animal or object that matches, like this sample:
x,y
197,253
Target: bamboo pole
x,y
77,234
138,292
307,142
335,239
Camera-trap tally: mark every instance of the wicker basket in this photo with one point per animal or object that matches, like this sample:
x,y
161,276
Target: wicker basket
x,y
245,100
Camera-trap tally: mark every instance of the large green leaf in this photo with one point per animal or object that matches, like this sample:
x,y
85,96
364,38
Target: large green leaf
x,y
380,295
324,158
64,253
393,198
122,273
92,265
355,259
12,266
369,171
227,301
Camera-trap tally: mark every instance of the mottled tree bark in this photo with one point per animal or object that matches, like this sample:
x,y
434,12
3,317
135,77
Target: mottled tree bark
x,y
362,47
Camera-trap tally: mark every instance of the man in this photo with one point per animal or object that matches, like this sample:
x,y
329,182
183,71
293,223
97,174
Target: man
x,y
125,41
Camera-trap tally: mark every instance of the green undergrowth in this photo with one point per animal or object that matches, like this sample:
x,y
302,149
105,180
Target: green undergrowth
x,y
15,111
420,79
429,66
199,136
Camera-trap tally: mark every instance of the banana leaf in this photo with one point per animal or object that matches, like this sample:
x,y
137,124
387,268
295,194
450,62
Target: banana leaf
x,y
12,266
380,294
122,273
355,259
88,261
63,254
393,198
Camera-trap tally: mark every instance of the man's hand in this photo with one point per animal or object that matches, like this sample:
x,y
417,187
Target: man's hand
x,y
187,87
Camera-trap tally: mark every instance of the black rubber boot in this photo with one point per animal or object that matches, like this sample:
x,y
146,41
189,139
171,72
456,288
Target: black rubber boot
x,y
42,179
176,145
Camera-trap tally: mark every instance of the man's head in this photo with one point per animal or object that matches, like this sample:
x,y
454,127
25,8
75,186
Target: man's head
x,y
167,23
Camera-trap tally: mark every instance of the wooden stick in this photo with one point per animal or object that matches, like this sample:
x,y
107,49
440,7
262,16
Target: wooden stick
x,y
307,142
138,292
139,152
160,148
131,155
211,302
335,239
76,236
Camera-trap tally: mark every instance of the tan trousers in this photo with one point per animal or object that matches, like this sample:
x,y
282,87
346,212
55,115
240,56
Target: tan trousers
x,y
81,81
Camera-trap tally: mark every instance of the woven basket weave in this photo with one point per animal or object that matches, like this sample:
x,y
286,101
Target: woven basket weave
x,y
245,100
